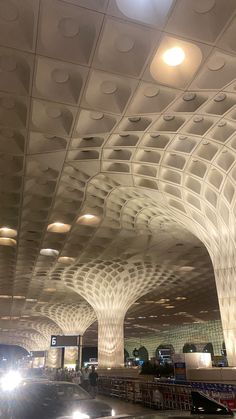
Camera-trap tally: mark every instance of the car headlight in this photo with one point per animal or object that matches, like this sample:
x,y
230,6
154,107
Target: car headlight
x,y
80,415
10,380
113,412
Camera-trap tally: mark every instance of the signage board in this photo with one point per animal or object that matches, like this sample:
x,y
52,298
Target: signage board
x,y
37,354
58,341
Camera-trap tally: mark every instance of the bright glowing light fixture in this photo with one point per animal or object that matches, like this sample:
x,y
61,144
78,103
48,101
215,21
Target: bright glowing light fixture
x,y
5,241
88,219
49,252
10,381
174,56
7,232
66,260
58,228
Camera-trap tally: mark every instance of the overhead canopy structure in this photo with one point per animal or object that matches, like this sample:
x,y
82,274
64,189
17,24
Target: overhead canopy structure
x,y
117,163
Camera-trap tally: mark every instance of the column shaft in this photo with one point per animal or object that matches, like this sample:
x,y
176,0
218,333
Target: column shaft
x,y
110,339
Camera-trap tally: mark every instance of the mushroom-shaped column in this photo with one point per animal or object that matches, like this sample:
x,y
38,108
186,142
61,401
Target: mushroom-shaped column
x,y
73,319
47,328
111,287
224,264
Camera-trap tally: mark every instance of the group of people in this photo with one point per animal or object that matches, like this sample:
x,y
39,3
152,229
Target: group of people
x,y
88,379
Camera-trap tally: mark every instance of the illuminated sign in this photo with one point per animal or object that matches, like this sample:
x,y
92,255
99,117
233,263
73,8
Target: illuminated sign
x,y
58,341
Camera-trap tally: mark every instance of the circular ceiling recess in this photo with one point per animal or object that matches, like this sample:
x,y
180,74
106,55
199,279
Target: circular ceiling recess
x,y
53,112
68,27
189,96
7,132
96,116
124,43
60,76
198,118
168,117
151,91
216,63
8,63
8,103
108,87
8,11
203,6
220,97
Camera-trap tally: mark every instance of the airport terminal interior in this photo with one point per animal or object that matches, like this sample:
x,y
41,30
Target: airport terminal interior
x,y
117,178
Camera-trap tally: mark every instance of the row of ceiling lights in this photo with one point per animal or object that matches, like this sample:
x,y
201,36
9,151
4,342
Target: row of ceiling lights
x,y
7,235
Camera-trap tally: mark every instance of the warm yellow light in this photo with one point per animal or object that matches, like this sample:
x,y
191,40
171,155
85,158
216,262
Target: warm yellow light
x,y
7,232
5,241
58,228
88,219
174,56
66,259
49,289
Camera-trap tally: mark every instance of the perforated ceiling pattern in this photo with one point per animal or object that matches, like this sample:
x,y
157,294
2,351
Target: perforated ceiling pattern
x,y
72,319
108,129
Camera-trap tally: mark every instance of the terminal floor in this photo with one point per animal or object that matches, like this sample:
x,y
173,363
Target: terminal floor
x,y
123,408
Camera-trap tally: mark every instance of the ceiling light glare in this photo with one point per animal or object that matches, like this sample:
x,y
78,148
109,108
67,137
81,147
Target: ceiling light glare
x,y
66,260
7,232
174,56
5,241
58,228
88,219
49,252
49,289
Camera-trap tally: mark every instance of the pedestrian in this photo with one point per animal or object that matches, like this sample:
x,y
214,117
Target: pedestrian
x,y
85,379
93,382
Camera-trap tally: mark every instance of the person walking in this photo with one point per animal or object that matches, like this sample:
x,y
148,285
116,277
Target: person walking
x,y
85,379
93,382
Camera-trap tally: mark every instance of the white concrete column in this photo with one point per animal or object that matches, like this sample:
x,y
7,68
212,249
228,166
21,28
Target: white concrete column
x,y
110,339
53,358
226,288
71,357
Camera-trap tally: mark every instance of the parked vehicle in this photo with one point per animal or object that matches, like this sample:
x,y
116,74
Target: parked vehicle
x,y
50,400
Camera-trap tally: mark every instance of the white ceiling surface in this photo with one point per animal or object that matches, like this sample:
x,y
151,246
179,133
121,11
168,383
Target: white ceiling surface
x,y
93,122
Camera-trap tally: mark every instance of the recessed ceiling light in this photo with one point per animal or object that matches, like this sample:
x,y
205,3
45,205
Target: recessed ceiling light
x,y
31,300
163,301
6,296
7,232
5,241
88,219
49,289
181,298
58,228
186,268
174,56
169,306
18,297
66,260
49,252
